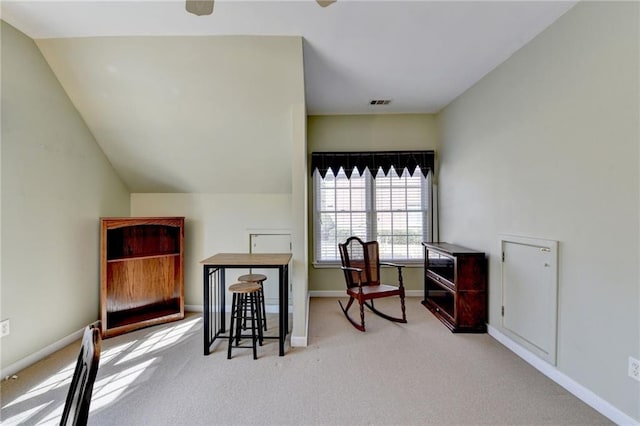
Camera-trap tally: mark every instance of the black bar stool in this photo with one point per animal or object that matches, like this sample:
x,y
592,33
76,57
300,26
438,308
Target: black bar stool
x,y
257,278
245,308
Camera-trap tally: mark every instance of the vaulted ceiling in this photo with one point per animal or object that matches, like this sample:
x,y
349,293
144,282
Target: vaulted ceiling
x,y
162,107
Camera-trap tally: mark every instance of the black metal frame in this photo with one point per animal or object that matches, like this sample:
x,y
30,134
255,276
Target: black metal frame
x,y
214,297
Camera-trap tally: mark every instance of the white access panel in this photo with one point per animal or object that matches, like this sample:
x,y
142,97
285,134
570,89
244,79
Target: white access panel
x,y
271,243
530,293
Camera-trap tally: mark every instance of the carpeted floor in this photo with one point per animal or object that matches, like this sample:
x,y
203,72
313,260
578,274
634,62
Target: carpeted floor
x,y
394,374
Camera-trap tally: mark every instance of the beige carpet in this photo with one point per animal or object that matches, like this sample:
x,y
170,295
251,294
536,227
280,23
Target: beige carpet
x,y
394,374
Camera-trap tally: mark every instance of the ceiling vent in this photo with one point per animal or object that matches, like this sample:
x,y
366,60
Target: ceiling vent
x,y
379,101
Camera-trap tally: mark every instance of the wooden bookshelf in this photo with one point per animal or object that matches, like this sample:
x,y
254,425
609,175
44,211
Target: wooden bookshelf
x,y
455,286
142,272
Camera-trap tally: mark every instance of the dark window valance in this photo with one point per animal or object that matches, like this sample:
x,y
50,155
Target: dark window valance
x,y
373,160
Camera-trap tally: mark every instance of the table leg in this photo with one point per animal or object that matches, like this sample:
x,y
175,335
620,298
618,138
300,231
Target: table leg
x,y
286,299
282,314
221,307
205,309
213,298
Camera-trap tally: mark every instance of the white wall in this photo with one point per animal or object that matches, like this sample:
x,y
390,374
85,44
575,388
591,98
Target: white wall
x,y
215,223
299,226
366,133
546,146
220,219
222,223
56,184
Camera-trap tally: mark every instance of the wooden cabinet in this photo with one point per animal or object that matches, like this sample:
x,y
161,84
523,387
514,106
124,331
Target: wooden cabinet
x,y
455,286
141,273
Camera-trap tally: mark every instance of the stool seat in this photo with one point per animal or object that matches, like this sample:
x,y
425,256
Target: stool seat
x,y
245,287
253,278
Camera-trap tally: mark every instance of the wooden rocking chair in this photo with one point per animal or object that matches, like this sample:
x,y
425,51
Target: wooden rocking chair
x,y
361,266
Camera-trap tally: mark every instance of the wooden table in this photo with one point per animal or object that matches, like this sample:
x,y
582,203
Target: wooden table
x,y
214,291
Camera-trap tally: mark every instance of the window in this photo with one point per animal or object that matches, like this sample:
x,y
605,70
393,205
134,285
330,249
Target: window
x,y
393,209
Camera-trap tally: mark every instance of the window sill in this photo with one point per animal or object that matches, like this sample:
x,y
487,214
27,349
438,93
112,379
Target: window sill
x,y
337,265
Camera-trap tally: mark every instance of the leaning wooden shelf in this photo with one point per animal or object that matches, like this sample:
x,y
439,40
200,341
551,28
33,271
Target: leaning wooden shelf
x,y
142,273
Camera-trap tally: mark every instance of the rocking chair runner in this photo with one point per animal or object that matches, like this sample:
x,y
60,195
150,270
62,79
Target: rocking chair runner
x,y
361,266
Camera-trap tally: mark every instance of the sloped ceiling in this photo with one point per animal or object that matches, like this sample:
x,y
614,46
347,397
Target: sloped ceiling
x,y
181,103
187,114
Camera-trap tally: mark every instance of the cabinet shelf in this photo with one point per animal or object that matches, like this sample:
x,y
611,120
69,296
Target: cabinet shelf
x,y
455,287
442,304
441,281
142,256
142,273
119,322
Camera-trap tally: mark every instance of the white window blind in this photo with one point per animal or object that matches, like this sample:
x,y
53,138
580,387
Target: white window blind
x,y
391,209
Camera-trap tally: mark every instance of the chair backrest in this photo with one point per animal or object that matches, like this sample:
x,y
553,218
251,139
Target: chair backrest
x,y
76,407
356,253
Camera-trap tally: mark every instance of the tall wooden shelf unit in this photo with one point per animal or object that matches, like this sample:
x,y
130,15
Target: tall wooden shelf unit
x,y
455,286
141,273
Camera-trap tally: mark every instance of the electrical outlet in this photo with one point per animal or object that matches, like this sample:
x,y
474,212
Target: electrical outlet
x,y
634,368
4,328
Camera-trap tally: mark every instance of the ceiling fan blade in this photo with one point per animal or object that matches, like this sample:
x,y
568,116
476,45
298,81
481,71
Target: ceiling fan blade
x,y
325,3
199,7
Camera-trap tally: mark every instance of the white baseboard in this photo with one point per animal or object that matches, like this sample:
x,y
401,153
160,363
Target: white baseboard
x,y
342,293
193,308
25,362
299,341
302,341
579,391
271,309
